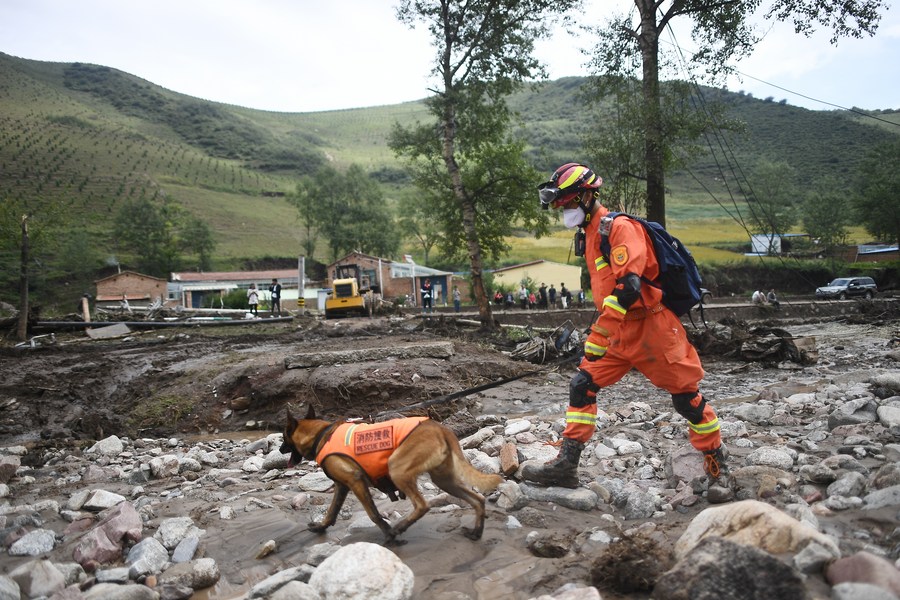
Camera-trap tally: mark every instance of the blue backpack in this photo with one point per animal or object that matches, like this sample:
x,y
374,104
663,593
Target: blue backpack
x,y
679,278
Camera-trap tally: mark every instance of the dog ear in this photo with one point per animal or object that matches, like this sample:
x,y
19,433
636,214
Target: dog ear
x,y
310,412
291,421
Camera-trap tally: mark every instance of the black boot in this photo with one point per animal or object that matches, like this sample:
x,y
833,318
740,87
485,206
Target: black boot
x,y
715,463
561,471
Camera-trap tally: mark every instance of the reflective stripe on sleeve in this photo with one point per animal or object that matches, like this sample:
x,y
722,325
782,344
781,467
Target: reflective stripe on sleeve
x,y
613,303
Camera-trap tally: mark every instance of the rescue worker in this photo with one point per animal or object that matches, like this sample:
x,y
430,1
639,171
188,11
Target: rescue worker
x,y
633,329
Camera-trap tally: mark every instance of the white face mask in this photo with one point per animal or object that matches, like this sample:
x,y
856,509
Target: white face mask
x,y
573,217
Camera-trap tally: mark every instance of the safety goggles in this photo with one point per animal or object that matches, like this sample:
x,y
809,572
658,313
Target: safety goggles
x,y
551,195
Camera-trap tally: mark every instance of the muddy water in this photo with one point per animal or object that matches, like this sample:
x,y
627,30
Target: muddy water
x,y
443,559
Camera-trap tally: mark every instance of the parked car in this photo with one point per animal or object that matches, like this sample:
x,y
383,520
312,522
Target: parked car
x,y
705,296
846,287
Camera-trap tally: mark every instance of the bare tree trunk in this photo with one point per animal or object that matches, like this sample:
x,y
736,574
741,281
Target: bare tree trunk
x,y
468,218
653,147
22,330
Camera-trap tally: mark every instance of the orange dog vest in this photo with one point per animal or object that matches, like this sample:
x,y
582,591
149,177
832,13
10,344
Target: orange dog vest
x,y
369,444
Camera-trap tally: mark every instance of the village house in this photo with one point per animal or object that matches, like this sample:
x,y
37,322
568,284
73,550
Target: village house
x,y
203,290
137,289
400,279
539,271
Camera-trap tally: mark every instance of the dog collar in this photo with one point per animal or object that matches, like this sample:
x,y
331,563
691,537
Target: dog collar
x,y
318,440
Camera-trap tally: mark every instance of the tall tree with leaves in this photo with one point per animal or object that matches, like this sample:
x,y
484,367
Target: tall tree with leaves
x,y
197,238
826,214
878,201
30,231
308,209
466,163
721,30
772,198
418,222
349,209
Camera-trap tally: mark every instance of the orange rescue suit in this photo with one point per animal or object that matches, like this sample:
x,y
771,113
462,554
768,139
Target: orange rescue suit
x,y
369,444
646,336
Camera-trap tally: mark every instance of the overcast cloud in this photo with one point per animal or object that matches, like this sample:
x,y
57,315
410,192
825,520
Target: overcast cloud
x,y
304,55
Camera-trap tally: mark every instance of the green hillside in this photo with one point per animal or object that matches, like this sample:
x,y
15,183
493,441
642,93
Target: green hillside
x,y
91,138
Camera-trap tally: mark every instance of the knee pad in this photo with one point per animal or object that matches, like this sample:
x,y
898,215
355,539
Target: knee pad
x,y
579,386
682,403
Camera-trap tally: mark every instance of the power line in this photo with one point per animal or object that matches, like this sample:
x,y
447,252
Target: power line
x,y
853,110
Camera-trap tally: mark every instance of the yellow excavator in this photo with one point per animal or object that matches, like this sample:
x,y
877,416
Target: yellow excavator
x,y
351,294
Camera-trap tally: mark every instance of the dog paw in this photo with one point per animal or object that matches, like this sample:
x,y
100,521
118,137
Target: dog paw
x,y
392,541
471,534
317,527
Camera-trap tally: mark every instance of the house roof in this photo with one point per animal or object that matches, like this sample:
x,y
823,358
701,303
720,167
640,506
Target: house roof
x,y
187,277
398,269
117,275
529,264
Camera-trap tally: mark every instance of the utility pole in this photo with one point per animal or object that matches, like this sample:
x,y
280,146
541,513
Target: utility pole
x,y
22,330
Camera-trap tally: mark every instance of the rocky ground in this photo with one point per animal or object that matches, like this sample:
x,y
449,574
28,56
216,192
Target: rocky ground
x,y
153,458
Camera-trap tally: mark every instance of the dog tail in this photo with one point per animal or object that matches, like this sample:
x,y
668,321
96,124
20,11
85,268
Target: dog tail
x,y
483,482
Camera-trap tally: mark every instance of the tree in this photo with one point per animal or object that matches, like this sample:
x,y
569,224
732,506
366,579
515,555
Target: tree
x,y
826,214
156,233
878,202
197,238
771,199
349,210
722,32
472,172
418,222
307,213
30,229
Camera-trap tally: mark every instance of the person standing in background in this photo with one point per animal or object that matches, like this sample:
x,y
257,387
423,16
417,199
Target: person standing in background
x,y
427,297
457,299
275,290
253,300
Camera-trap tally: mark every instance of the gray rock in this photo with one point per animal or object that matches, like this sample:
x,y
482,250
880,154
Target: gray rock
x,y
577,499
511,496
111,446
146,557
848,484
889,496
172,531
186,549
269,585
38,578
114,591
717,568
889,415
196,574
34,543
9,589
640,505
860,591
758,414
771,457
363,571
296,590
852,412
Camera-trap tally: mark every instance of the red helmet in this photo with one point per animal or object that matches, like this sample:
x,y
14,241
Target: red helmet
x,y
566,182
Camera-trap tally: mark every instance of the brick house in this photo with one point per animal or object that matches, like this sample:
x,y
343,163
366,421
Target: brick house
x,y
399,279
140,290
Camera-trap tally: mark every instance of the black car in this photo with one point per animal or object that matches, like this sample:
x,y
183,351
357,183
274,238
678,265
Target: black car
x,y
705,296
846,287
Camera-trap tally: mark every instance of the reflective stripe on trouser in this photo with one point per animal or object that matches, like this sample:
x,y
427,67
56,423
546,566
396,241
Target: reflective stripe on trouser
x,y
581,422
706,435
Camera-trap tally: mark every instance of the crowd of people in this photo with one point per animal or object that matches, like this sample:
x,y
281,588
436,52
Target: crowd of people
x,y
545,298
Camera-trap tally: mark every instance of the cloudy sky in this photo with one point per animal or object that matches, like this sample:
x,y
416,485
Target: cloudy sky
x,y
306,55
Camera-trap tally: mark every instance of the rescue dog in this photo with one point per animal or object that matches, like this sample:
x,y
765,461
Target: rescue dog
x,y
428,447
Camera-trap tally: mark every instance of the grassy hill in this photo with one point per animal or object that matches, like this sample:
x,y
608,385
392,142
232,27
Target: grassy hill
x,y
93,137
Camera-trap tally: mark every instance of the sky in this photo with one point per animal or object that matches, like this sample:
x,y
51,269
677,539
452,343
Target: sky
x,y
306,55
